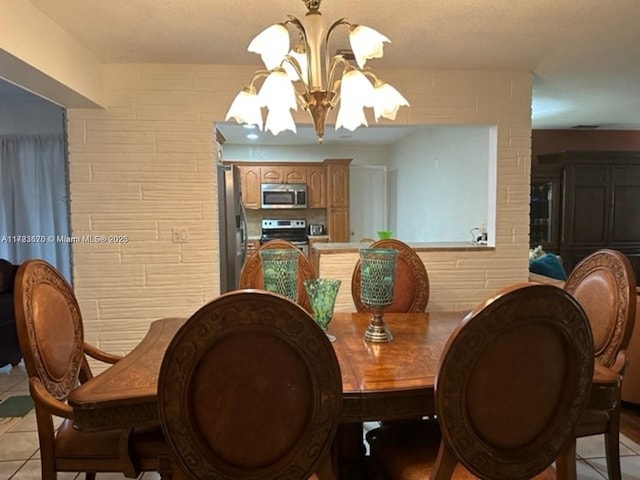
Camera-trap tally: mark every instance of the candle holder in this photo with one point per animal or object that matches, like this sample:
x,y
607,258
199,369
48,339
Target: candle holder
x,y
280,271
322,293
377,270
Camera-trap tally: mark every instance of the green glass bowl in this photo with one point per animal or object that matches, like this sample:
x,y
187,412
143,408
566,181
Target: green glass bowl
x,y
384,234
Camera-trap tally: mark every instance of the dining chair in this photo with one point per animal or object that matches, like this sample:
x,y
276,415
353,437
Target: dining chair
x,y
51,336
249,388
605,286
511,385
411,288
251,274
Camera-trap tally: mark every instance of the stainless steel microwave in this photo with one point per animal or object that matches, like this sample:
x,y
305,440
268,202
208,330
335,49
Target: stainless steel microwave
x,y
284,195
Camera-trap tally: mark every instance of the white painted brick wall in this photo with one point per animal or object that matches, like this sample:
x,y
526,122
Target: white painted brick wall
x,y
145,165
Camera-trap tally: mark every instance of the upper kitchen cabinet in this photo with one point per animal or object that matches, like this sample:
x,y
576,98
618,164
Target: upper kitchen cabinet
x,y
338,182
317,182
601,204
252,175
282,173
250,185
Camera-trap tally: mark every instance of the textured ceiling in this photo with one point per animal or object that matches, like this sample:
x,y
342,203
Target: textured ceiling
x,y
585,54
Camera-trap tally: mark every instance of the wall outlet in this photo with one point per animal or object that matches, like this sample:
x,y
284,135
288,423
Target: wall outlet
x,y
180,235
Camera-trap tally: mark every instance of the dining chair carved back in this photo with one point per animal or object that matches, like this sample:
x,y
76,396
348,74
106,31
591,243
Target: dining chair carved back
x,y
411,284
249,388
511,385
605,286
51,336
251,274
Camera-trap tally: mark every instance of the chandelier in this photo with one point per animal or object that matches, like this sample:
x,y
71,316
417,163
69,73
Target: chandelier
x,y
306,76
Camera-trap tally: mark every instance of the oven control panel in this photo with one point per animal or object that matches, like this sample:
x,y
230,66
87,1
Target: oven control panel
x,y
268,224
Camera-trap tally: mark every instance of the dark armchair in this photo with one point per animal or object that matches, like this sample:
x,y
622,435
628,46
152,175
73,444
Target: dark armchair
x,y
9,346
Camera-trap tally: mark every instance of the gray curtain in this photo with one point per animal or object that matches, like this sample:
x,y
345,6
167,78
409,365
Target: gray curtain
x,y
33,196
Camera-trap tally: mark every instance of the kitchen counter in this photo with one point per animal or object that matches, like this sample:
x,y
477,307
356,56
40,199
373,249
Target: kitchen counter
x,y
417,246
457,271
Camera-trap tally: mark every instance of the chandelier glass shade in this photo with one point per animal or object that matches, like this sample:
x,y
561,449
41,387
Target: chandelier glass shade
x,y
306,76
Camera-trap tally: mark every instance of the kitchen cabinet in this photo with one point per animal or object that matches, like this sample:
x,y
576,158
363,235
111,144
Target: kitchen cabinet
x,y
250,186
251,176
295,174
328,188
338,224
283,173
317,182
338,199
338,183
272,174
601,204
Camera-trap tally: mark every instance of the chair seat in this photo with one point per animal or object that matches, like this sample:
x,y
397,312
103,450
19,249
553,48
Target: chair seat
x,y
72,443
605,389
592,422
146,442
409,453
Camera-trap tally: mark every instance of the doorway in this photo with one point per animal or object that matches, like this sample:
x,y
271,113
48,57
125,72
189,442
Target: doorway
x,y
368,209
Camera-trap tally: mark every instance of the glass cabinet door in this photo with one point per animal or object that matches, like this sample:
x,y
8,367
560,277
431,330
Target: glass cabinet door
x,y
543,225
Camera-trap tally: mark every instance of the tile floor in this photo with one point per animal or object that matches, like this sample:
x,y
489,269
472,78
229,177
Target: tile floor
x,y
20,460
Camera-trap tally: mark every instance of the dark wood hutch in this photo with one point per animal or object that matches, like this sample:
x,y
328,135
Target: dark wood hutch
x,y
582,201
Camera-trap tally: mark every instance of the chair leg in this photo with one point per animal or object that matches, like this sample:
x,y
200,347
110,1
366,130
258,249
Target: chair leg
x,y
90,476
165,468
566,468
445,464
612,445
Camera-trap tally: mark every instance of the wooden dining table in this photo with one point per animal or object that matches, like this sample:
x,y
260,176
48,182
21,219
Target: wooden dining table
x,y
380,381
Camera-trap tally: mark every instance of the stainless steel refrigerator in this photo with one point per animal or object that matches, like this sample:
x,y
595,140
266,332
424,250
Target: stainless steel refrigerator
x,y
232,227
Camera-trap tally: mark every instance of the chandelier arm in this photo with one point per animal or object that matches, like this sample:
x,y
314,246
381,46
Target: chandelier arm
x,y
373,76
294,64
258,75
331,64
340,21
302,99
294,21
336,93
298,24
335,62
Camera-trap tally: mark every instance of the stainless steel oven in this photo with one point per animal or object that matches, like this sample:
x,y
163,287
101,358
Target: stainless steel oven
x,y
284,195
294,231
